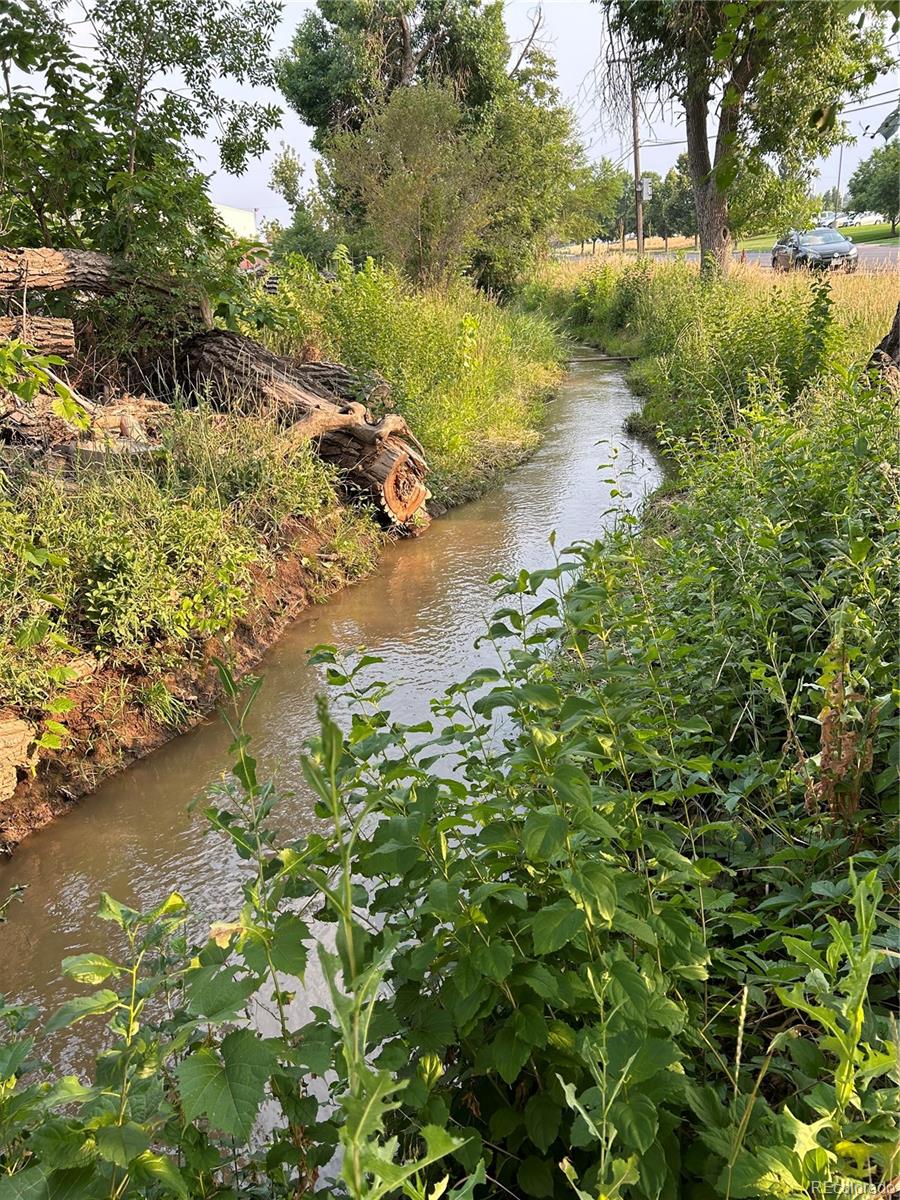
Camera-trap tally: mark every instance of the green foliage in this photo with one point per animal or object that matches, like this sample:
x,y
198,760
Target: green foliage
x,y
714,346
95,151
135,561
435,155
25,374
591,206
631,944
873,185
348,57
419,180
467,374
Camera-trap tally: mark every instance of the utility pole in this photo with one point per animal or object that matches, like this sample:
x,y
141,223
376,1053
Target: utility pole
x,y
837,203
638,187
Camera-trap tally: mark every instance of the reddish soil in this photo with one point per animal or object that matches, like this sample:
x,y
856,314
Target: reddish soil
x,y
106,733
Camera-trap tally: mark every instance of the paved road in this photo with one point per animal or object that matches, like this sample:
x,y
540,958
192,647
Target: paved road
x,y
880,256
876,257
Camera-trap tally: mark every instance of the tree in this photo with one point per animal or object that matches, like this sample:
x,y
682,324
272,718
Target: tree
x,y
591,203
348,56
310,231
96,152
771,67
420,180
873,185
533,156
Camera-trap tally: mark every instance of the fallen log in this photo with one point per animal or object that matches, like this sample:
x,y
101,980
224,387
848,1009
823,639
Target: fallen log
x,y
45,270
316,402
49,270
48,335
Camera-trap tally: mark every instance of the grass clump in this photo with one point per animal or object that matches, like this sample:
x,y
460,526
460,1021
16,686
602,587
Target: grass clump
x,y
468,375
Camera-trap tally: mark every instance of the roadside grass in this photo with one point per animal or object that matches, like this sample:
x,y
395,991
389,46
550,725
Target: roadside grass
x,y
469,376
708,348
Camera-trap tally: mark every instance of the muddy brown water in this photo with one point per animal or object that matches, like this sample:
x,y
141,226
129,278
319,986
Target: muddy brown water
x,y
421,611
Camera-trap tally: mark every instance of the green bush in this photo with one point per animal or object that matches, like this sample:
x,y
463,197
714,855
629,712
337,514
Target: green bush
x,y
467,375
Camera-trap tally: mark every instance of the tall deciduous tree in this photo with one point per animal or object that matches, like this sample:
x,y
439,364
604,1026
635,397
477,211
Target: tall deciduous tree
x,y
757,79
874,184
95,152
348,56
420,180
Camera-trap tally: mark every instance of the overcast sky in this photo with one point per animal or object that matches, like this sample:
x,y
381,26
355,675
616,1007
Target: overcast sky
x,y
572,33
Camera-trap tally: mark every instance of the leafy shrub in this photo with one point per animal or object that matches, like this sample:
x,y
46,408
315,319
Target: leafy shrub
x,y
467,374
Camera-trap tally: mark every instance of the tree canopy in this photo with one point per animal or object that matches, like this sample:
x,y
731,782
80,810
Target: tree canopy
x,y
759,80
95,152
874,184
348,56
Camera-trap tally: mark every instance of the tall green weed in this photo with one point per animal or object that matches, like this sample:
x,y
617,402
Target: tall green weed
x,y
467,374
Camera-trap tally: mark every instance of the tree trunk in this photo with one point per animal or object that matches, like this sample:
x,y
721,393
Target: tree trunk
x,y
886,355
48,335
316,402
710,203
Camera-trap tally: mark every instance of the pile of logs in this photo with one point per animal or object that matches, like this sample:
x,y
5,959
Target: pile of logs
x,y
323,403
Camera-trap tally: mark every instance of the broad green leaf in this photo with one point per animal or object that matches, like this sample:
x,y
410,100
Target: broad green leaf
x,y
59,1144
594,886
509,1053
90,968
228,1088
554,926
158,1168
493,959
635,1121
545,835
542,1120
535,1176
214,994
80,1007
113,910
119,1144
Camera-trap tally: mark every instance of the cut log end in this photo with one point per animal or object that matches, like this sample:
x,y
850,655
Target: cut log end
x,y
378,460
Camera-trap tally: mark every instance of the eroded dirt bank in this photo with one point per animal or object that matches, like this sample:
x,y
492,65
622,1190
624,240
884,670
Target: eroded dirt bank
x,y
108,728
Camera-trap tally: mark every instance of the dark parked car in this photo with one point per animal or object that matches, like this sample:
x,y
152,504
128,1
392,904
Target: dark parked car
x,y
816,248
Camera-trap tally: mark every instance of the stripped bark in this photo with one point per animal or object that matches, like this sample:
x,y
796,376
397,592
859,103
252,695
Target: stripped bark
x,y
49,335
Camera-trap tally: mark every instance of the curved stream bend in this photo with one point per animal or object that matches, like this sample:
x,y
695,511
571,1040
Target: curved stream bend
x,y
421,611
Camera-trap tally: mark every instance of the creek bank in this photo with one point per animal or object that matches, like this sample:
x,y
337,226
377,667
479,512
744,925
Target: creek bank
x,y
108,727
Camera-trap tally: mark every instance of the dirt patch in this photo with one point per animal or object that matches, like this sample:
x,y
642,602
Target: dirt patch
x,y
109,728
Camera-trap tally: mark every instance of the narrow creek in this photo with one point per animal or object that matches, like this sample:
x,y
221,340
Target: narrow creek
x,y
421,611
